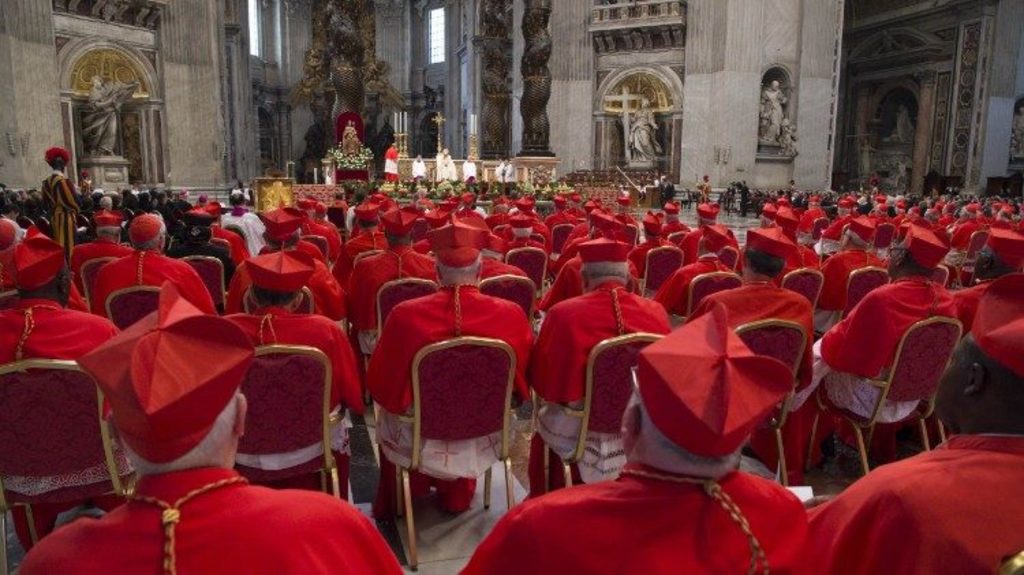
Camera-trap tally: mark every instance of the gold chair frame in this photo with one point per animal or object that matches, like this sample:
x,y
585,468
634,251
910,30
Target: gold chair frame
x,y
705,277
366,254
739,256
325,249
647,263
220,266
238,230
404,490
127,290
1012,565
106,436
883,385
517,279
544,275
858,272
13,294
89,264
247,303
393,283
970,258
221,243
588,398
330,467
776,423
805,271
553,228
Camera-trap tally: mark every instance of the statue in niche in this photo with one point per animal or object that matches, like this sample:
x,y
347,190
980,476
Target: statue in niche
x,y
774,102
350,144
903,132
100,120
1017,135
866,150
643,142
787,138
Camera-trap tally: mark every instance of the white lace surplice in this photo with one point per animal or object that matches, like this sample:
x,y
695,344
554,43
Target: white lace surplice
x,y
278,461
603,454
441,459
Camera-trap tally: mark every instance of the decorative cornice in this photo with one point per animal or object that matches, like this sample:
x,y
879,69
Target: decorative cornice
x,y
140,13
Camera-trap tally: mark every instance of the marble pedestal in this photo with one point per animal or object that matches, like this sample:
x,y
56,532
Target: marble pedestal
x,y
109,173
537,170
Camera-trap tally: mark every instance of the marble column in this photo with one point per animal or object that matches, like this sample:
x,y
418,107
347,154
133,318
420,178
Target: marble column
x,y
923,133
863,116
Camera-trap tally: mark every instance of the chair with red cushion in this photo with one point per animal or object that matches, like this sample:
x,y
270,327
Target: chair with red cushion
x,y
632,234
288,390
885,233
397,291
501,230
221,243
820,225
806,282
462,389
784,341
306,304
662,262
608,386
8,299
965,272
559,235
51,424
677,238
321,244
922,356
419,229
862,282
336,215
516,289
238,230
361,255
539,238
706,284
128,305
730,257
211,271
941,275
533,261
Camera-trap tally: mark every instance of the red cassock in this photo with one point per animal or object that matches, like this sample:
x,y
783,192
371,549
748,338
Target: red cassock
x,y
329,233
495,220
638,255
493,268
239,251
755,302
149,269
56,333
649,526
837,270
674,228
950,510
804,257
525,243
231,529
328,297
559,365
7,270
559,218
580,234
966,301
962,234
364,242
372,272
416,324
569,283
834,231
100,248
673,295
692,239
864,343
808,218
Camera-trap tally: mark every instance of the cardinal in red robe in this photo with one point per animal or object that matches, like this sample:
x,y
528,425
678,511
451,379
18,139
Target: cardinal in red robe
x,y
1004,254
652,239
674,294
368,239
106,245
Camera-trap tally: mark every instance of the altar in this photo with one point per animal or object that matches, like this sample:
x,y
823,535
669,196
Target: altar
x,y
319,192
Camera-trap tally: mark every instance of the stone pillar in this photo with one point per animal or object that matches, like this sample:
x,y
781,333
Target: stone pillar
x,y
860,129
923,133
495,44
536,79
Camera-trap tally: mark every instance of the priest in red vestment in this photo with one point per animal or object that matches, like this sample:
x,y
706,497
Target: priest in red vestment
x,y
803,257
521,227
190,511
954,509
398,261
106,245
680,505
674,294
313,227
652,239
809,217
1003,255
146,266
758,299
457,310
391,164
492,262
672,224
368,238
561,215
282,234
853,255
570,331
40,326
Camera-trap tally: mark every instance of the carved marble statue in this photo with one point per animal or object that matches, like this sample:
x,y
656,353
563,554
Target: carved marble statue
x,y
1017,136
903,132
100,120
865,156
773,110
642,140
536,77
787,138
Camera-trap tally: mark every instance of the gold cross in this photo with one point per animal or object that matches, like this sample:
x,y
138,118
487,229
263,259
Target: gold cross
x,y
439,120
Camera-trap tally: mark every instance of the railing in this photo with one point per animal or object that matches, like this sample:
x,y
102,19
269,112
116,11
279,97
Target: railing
x,y
627,12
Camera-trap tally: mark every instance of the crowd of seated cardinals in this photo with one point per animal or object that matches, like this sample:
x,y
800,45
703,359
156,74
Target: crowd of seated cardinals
x,y
690,481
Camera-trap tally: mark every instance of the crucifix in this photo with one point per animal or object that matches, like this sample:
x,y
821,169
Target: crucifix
x,y
627,100
439,120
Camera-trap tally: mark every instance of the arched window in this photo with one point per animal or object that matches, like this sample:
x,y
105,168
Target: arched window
x,y
255,36
436,35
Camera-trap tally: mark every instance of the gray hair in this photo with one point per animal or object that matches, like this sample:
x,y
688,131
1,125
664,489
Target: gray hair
x,y
106,203
112,232
207,454
855,240
599,272
468,275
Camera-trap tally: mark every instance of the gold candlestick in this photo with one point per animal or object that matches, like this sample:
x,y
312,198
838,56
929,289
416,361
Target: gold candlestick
x,y
474,146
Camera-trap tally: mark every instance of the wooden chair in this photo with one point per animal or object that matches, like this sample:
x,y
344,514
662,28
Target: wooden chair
x,y
8,299
730,257
533,261
89,270
321,244
288,388
706,284
786,342
609,377
211,271
128,305
306,302
862,282
662,262
38,444
559,235
464,371
806,282
921,358
516,289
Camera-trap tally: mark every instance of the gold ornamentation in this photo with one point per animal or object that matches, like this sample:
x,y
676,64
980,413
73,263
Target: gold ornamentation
x,y
272,193
642,85
110,65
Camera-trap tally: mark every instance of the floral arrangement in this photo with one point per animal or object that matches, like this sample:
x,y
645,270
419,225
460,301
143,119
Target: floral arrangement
x,y
343,161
